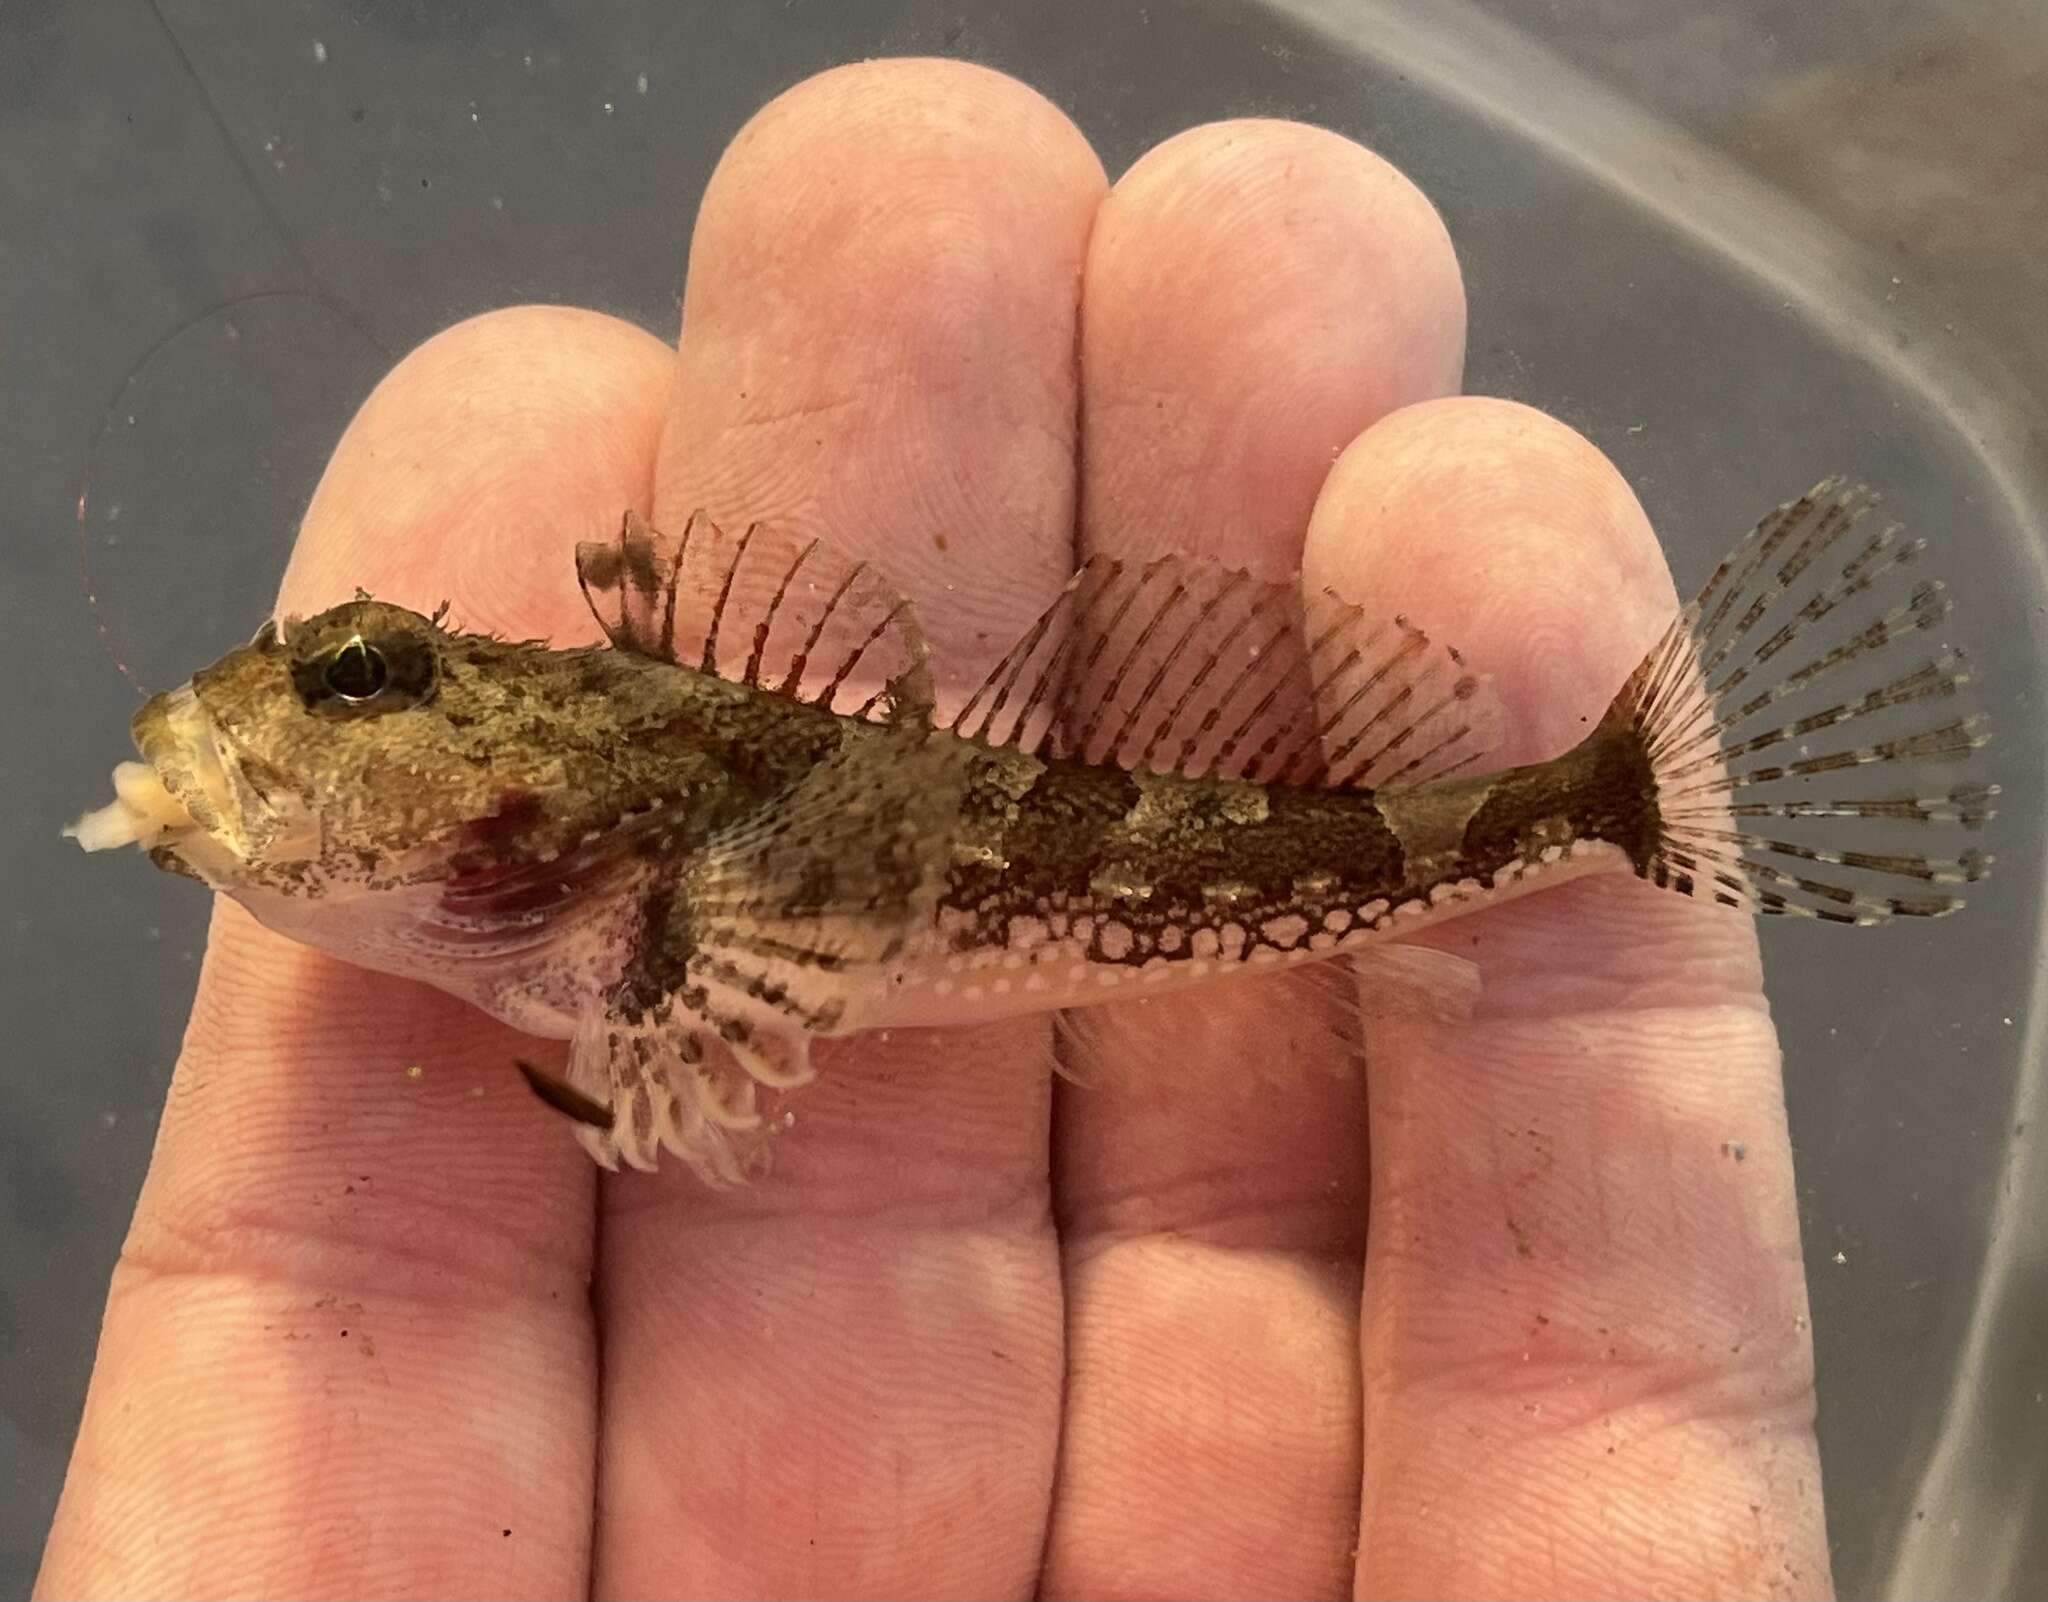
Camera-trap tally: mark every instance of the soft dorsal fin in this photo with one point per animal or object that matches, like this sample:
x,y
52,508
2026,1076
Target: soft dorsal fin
x,y
1181,665
794,617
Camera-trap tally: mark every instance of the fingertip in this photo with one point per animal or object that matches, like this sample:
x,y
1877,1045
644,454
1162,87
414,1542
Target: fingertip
x,y
1257,292
878,335
884,191
1513,535
850,115
480,459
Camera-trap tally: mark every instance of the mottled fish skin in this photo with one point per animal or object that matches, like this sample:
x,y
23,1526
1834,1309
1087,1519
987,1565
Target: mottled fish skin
x,y
1069,881
744,824
420,843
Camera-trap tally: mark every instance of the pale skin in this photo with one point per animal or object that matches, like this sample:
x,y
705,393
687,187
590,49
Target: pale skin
x,y
979,1333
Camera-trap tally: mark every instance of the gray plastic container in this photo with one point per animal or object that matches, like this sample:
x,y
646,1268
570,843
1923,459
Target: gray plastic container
x,y
218,224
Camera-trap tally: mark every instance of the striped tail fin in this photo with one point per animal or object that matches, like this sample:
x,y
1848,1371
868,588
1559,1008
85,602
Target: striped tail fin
x,y
1805,727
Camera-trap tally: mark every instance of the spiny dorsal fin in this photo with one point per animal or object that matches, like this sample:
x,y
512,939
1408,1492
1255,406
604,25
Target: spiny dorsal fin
x,y
795,617
1181,665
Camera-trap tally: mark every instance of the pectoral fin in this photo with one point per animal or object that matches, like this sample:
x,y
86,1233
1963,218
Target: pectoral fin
x,y
564,1097
778,930
634,1087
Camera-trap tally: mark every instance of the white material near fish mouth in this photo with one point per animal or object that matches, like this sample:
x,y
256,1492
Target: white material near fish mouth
x,y
141,813
185,793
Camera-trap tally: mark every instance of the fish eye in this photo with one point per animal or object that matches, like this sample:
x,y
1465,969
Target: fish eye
x,y
357,672
361,676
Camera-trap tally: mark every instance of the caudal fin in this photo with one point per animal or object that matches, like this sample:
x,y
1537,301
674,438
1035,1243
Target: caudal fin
x,y
1805,730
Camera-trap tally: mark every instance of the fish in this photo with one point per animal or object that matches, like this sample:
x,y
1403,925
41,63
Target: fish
x,y
743,823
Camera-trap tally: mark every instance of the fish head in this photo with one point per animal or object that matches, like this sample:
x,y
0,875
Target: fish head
x,y
322,755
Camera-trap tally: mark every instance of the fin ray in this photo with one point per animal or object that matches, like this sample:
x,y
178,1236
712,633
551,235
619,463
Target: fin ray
x,y
1184,666
1734,825
765,609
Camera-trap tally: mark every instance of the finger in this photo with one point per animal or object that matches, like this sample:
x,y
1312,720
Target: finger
x,y
1587,1370
1256,293
846,1379
348,1349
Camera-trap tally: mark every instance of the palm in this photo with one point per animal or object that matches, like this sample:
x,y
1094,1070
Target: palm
x,y
977,1335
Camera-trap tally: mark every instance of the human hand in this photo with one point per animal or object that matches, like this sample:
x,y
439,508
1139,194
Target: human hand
x,y
379,1335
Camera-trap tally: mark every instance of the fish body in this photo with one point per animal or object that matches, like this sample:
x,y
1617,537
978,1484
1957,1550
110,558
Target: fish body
x,y
744,823
1070,883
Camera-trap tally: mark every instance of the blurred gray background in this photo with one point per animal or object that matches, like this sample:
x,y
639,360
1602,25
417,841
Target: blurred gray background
x,y
1738,245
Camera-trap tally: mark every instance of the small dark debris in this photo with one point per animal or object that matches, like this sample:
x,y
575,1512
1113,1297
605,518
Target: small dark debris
x,y
1735,1149
504,1532
355,113
344,1334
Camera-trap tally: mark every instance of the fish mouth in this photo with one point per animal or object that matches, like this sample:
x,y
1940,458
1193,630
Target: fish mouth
x,y
189,802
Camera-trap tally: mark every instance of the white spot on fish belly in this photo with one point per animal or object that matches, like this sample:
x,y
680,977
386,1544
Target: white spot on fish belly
x,y
1508,872
1115,940
1373,911
1028,933
1285,932
1205,943
1337,920
1170,938
1233,937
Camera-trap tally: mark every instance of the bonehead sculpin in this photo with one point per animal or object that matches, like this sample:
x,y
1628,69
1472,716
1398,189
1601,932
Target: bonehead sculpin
x,y
745,823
